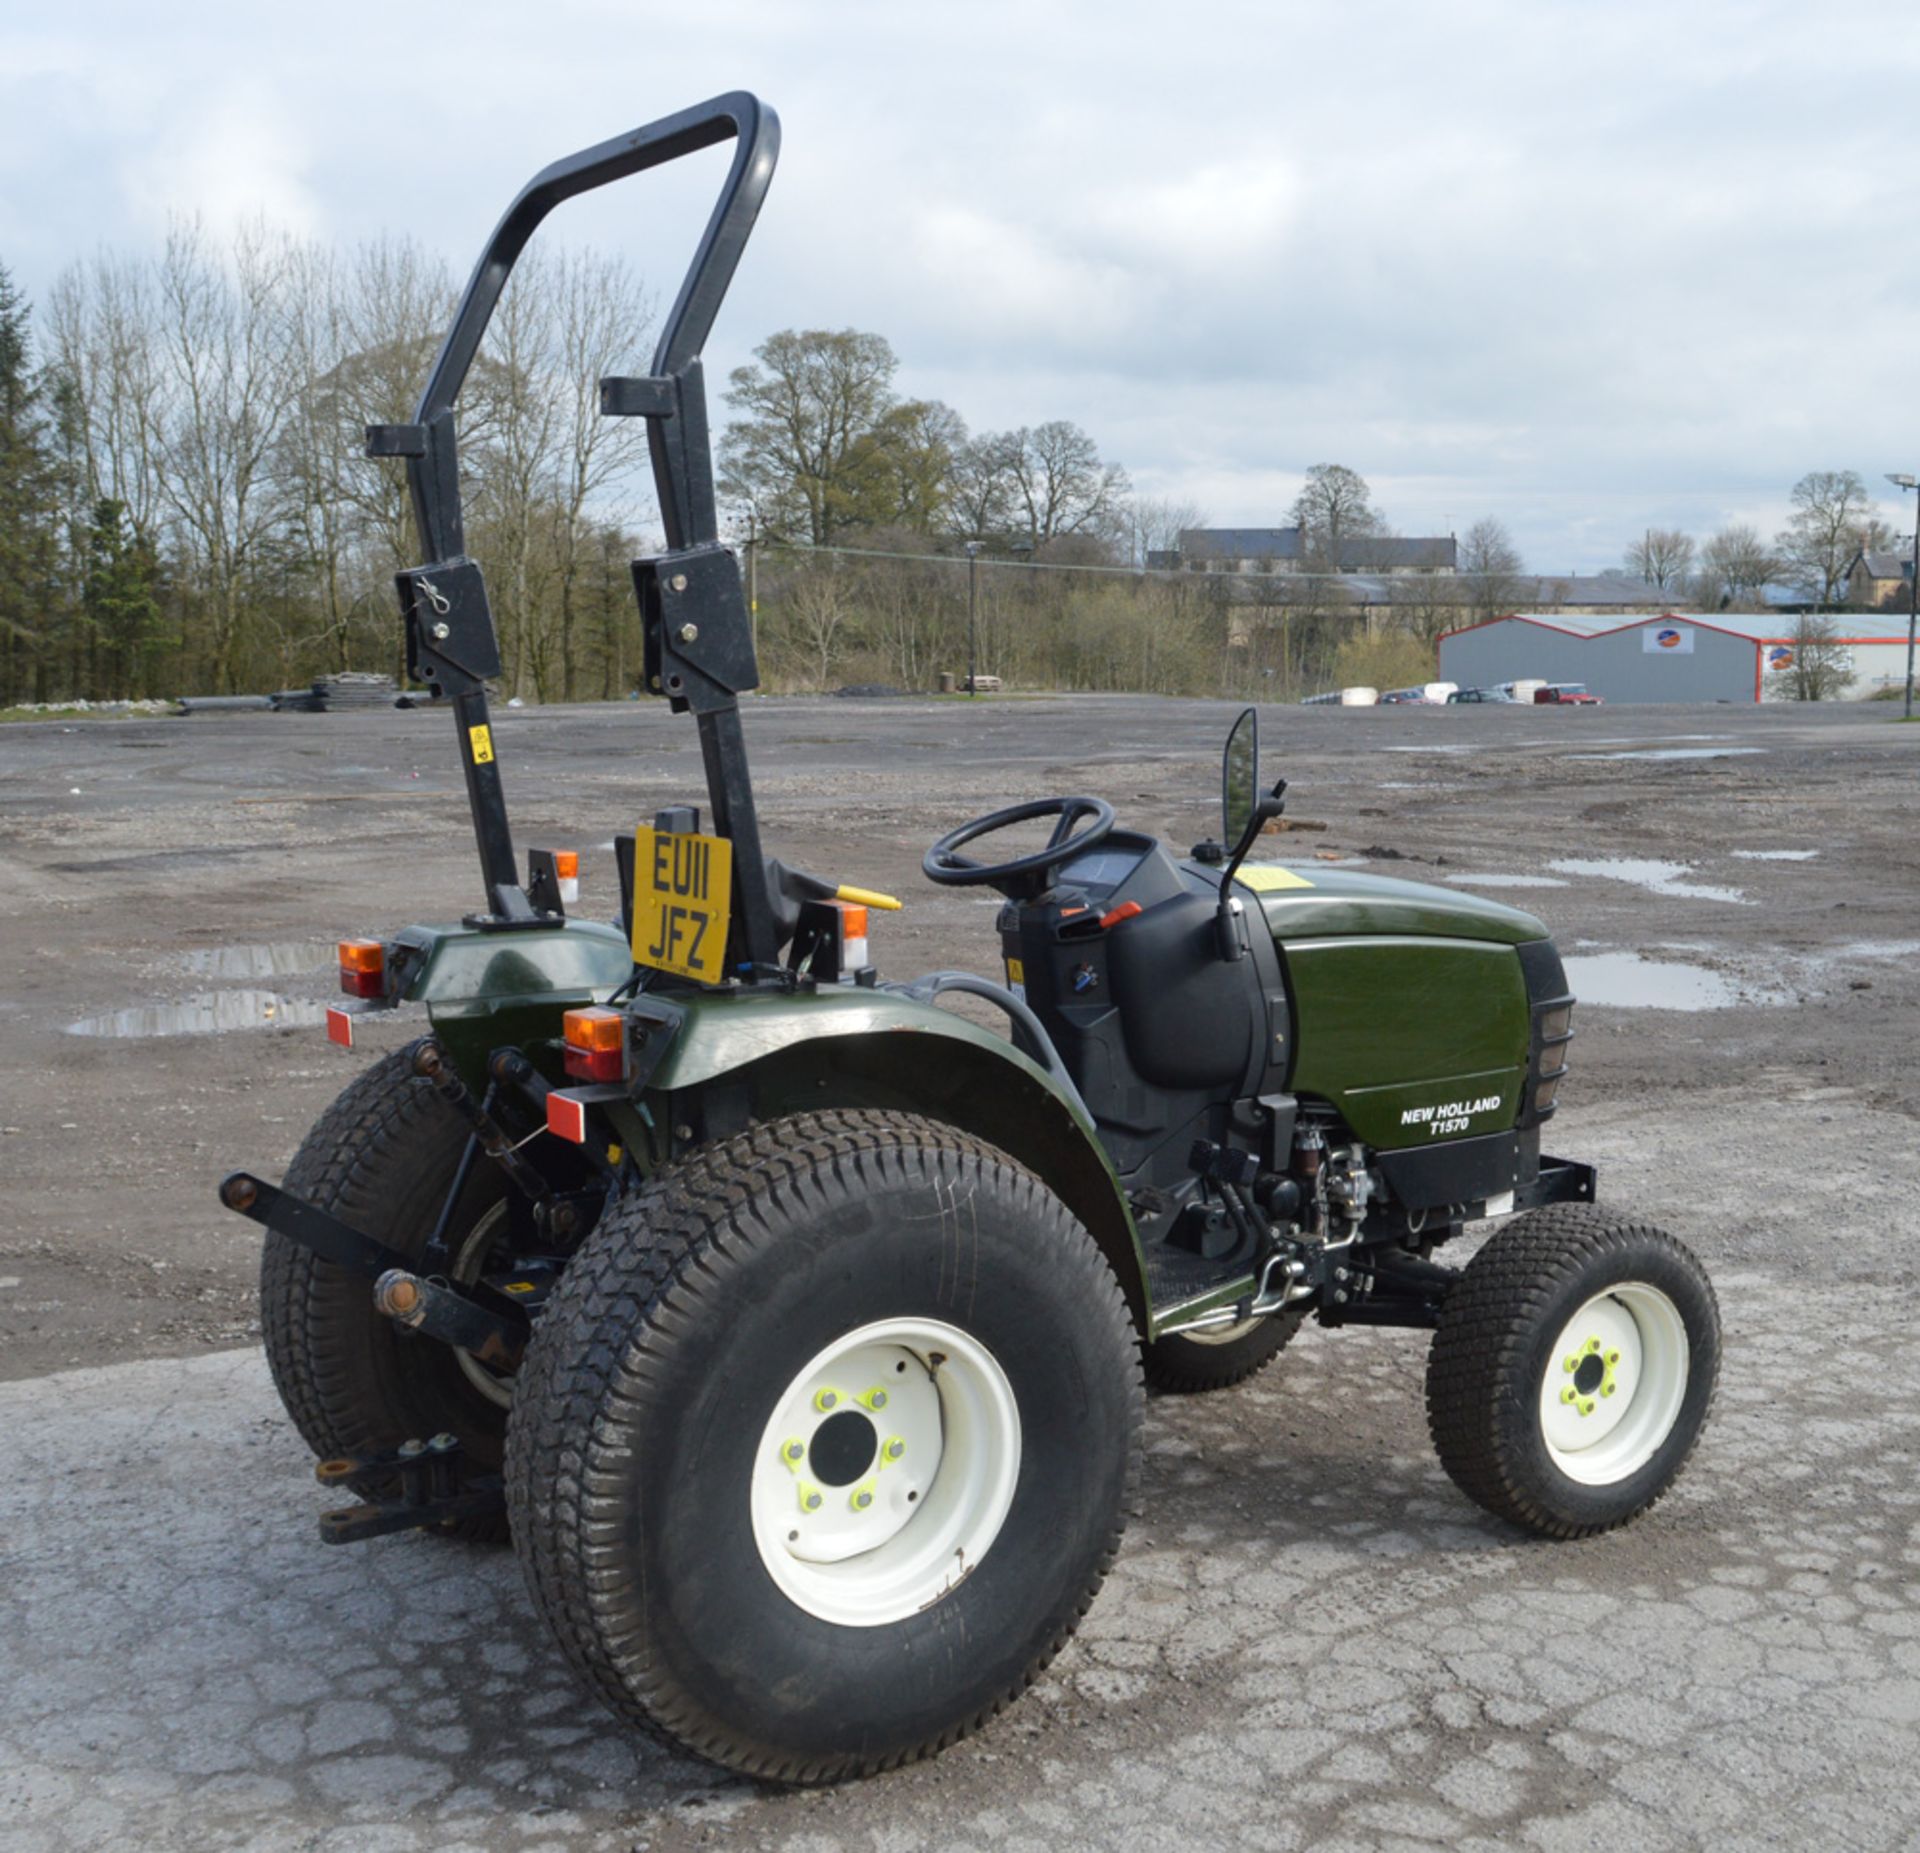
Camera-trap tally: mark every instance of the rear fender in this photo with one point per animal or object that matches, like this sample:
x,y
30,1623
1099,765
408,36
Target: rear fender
x,y
759,1057
484,991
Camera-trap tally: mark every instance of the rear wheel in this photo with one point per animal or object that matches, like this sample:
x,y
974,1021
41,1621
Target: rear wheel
x,y
1573,1369
383,1158
1217,1359
823,1444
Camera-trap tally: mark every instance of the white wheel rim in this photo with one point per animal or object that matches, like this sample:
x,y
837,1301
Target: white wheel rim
x,y
1614,1383
864,1529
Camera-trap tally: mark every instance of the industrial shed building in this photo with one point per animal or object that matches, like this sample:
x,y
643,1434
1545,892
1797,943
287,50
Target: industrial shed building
x,y
1735,656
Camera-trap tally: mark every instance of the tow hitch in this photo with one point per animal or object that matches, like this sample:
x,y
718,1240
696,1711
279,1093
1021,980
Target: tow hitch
x,y
421,1483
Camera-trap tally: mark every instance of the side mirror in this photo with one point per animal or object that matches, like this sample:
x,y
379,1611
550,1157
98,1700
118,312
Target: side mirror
x,y
1240,778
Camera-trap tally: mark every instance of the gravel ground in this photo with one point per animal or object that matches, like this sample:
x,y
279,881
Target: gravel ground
x,y
1310,1639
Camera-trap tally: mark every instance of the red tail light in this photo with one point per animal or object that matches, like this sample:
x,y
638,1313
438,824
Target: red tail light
x,y
363,968
596,1044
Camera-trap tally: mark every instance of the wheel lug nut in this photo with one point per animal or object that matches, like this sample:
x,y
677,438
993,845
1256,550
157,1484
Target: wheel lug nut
x,y
826,1399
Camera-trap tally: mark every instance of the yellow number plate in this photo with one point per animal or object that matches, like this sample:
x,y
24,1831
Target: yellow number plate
x,y
682,891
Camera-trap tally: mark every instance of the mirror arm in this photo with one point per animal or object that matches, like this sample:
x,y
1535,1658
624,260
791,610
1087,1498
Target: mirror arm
x,y
1264,809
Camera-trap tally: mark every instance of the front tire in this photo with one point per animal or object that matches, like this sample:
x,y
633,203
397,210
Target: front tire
x,y
1573,1370
824,1443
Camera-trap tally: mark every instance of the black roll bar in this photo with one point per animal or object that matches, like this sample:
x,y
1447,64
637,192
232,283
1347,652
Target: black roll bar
x,y
452,641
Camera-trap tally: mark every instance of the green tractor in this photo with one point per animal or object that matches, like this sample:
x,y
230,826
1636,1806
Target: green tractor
x,y
796,1328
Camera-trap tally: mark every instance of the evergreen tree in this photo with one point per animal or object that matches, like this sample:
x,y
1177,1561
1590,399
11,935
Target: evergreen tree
x,y
28,528
121,594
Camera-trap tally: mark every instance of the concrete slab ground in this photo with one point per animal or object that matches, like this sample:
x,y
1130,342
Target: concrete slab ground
x,y
1311,1640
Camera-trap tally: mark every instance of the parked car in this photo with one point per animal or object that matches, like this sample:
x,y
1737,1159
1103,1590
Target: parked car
x,y
1479,694
1565,695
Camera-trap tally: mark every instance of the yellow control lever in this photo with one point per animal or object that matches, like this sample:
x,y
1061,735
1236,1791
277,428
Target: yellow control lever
x,y
866,897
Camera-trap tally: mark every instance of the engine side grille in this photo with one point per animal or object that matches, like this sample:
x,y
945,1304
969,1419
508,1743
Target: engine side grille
x,y
1550,1002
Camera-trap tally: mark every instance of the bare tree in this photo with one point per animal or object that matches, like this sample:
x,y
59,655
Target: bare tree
x,y
1490,568
1333,507
1159,521
1818,668
604,321
982,486
1663,557
227,391
1832,520
1060,486
1735,565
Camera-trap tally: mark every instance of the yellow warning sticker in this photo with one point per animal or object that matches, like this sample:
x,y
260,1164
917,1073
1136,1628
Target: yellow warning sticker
x,y
1270,877
1016,971
682,891
481,740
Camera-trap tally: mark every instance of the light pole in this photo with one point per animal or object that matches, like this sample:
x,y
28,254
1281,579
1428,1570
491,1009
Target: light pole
x,y
1913,581
973,606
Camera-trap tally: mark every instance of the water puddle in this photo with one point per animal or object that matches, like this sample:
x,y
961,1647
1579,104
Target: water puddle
x,y
1878,949
1775,855
1656,877
285,959
211,1013
1675,752
1626,981
1508,881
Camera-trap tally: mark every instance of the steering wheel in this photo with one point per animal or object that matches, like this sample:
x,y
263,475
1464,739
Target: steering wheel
x,y
944,864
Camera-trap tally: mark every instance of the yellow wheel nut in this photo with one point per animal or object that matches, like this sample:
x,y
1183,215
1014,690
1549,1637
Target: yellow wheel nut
x,y
891,1450
811,1497
793,1453
1566,1395
823,1400
875,1398
1570,1365
1607,1389
1586,1405
862,1496
1613,1357
1593,1344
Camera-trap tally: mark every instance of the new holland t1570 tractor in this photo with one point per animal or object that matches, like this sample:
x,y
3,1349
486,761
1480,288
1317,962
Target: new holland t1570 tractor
x,y
797,1328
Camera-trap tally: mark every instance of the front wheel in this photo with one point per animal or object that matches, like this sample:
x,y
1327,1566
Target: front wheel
x,y
1573,1369
823,1444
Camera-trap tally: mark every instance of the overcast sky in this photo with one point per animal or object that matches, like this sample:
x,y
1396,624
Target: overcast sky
x,y
1586,268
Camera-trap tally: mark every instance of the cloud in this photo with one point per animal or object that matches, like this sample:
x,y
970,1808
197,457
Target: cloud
x,y
1583,268
236,159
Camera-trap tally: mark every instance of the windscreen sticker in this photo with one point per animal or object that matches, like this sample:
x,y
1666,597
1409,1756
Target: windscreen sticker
x,y
1270,877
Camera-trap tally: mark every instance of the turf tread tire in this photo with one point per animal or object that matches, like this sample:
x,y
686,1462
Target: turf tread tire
x,y
671,1244
1491,1318
1180,1366
312,1314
